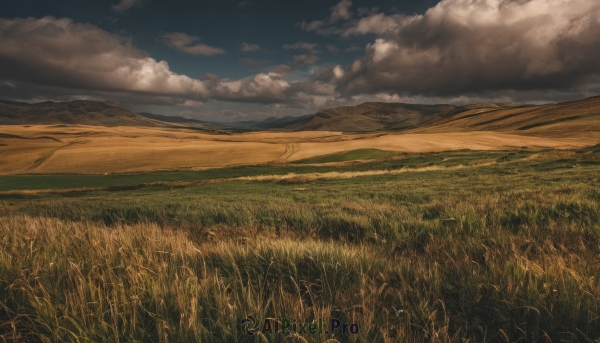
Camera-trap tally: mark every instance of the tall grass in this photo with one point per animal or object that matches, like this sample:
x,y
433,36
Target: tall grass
x,y
77,281
66,281
507,254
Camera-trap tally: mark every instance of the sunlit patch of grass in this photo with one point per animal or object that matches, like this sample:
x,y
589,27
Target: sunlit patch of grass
x,y
497,253
354,155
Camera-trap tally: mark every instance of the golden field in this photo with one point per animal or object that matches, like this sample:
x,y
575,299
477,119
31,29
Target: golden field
x,y
82,149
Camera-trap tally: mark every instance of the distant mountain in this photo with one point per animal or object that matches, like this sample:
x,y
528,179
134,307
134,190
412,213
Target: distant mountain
x,y
83,112
111,113
556,119
370,116
269,123
170,119
274,122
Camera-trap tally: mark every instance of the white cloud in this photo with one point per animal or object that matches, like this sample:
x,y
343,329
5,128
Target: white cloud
x,y
51,54
341,11
378,23
185,43
476,46
59,52
338,72
8,84
281,69
458,51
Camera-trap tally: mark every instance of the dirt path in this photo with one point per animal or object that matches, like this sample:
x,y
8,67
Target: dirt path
x,y
49,154
290,149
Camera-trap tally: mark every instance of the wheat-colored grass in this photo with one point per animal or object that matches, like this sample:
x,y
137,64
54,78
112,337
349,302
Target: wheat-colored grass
x,y
94,149
307,177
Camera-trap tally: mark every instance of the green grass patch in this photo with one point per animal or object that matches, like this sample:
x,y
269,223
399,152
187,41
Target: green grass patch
x,y
506,251
354,155
398,161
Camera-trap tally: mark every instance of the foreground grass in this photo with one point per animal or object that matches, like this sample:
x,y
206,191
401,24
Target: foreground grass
x,y
501,253
67,281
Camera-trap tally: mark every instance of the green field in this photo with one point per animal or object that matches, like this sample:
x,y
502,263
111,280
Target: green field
x,y
124,180
460,246
354,155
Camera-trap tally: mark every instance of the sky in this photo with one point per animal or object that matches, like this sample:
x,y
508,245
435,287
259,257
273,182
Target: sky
x,y
249,60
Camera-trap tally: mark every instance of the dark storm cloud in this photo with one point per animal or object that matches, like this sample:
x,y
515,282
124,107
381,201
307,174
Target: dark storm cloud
x,y
58,53
479,46
188,44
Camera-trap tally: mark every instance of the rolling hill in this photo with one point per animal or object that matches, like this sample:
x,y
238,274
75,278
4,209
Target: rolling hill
x,y
370,116
562,119
171,119
82,112
266,124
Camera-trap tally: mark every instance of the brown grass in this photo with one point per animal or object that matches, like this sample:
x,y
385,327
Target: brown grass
x,y
50,149
570,119
293,178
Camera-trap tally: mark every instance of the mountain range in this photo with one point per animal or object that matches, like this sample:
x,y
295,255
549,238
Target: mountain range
x,y
370,116
582,115
81,112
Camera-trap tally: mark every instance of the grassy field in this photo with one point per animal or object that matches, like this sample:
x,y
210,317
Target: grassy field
x,y
131,180
84,149
354,155
461,246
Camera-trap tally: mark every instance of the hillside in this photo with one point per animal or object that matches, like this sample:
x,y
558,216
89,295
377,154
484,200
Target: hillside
x,y
82,112
170,119
559,120
266,124
370,116
562,119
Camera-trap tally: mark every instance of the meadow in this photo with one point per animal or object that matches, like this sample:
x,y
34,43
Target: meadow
x,y
460,246
86,149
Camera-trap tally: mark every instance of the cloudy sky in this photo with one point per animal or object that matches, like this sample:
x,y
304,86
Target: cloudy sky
x,y
243,60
